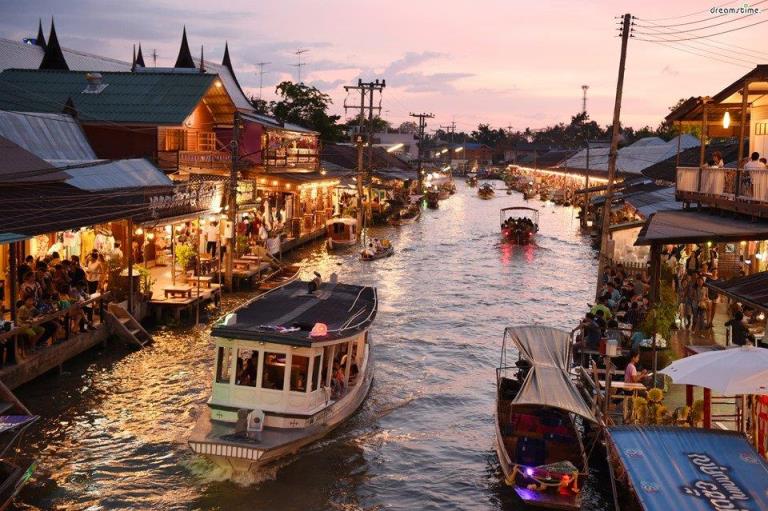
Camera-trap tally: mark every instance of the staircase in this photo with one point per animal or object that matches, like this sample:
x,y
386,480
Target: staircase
x,y
125,326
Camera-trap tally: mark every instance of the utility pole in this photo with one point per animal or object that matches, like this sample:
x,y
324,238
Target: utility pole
x,y
606,224
363,88
584,88
451,130
261,74
422,126
154,57
231,233
298,53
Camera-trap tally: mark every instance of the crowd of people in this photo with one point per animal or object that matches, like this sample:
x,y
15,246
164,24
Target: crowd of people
x,y
52,284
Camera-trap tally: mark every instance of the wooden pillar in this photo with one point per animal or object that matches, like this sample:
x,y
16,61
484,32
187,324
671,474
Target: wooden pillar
x,y
703,146
655,272
173,255
130,266
329,366
349,364
689,395
707,408
742,134
13,277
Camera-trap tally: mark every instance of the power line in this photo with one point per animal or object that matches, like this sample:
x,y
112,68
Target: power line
x,y
693,13
720,45
685,31
710,35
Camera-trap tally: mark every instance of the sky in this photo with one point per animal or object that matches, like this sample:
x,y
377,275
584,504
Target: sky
x,y
507,63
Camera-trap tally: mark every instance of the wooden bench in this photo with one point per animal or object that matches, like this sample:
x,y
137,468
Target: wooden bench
x,y
178,292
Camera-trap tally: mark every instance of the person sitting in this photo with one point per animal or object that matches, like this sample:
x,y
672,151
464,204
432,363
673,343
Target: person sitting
x,y
740,335
631,374
369,251
601,306
24,316
754,162
314,284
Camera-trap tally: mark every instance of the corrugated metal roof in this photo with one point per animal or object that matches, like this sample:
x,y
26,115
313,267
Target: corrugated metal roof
x,y
648,203
18,55
697,227
17,165
119,174
56,138
141,98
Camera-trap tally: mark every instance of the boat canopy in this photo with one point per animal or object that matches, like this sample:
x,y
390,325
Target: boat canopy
x,y
689,468
342,220
548,383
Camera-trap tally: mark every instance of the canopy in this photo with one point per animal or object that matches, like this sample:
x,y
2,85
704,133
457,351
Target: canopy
x,y
751,290
692,469
688,226
548,382
733,371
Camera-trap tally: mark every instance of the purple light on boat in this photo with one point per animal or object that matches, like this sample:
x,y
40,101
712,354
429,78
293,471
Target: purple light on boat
x,y
529,471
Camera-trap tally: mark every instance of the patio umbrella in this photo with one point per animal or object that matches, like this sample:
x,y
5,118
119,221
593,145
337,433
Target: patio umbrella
x,y
733,371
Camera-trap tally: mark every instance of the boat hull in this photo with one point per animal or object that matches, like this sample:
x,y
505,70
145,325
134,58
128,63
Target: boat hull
x,y
406,221
379,255
334,244
245,456
282,277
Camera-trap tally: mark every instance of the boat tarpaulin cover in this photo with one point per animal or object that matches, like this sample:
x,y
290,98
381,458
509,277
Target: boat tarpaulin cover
x,y
548,382
692,469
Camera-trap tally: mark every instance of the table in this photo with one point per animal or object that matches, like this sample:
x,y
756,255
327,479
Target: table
x,y
243,264
624,385
178,291
204,281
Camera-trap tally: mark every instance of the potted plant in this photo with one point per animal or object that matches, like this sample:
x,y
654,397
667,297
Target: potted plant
x,y
146,282
184,256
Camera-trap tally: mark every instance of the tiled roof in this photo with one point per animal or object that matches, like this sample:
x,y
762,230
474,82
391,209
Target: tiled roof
x,y
141,98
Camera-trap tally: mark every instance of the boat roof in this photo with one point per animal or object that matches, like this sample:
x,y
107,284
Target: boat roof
x,y
343,220
287,314
675,468
548,383
520,207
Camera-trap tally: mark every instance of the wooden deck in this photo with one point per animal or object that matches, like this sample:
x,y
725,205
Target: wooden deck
x,y
185,305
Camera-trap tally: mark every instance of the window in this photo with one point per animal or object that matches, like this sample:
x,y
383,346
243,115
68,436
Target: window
x,y
273,376
316,373
761,128
223,365
247,367
299,373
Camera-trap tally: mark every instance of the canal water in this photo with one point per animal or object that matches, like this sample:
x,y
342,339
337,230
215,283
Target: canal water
x,y
114,426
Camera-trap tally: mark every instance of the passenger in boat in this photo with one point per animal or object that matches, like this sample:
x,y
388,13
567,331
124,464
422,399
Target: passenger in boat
x,y
314,284
337,382
369,251
247,376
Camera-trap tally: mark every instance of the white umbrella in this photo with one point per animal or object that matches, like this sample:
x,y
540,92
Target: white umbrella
x,y
731,372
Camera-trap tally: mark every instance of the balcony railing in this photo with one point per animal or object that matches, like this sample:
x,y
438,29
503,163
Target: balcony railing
x,y
717,187
205,160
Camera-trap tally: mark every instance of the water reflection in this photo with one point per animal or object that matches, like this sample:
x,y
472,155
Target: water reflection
x,y
115,427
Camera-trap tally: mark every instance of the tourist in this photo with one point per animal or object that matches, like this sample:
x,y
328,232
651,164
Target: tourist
x,y
76,272
117,254
754,162
93,272
55,259
60,277
717,160
25,267
685,312
633,316
740,334
104,273
31,287
701,313
212,236
631,374
602,307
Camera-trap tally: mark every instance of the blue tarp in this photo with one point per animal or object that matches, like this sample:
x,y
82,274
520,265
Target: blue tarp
x,y
673,468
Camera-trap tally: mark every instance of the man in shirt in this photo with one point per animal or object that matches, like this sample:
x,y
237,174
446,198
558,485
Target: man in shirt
x,y
76,272
212,235
754,162
601,306
739,333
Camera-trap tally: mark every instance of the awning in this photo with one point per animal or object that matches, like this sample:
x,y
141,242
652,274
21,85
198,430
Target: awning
x,y
548,382
691,468
666,227
117,174
751,290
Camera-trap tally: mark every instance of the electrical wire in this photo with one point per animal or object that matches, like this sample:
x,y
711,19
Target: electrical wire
x,y
708,26
693,13
719,45
707,35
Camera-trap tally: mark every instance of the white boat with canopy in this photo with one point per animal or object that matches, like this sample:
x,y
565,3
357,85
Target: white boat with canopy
x,y
538,413
290,365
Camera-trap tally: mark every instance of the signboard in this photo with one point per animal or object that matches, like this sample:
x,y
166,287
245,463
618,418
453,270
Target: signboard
x,y
186,198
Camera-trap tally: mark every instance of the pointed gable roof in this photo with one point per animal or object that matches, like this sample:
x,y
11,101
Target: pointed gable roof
x,y
140,58
53,58
184,60
40,39
227,62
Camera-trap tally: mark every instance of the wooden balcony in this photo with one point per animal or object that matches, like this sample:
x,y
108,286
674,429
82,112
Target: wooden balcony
x,y
717,188
292,157
202,161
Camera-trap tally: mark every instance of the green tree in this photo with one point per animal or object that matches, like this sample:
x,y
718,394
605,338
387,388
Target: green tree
x,y
308,107
260,105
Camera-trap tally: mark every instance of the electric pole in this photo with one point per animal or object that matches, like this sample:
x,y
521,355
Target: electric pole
x,y
584,89
606,224
450,129
363,88
261,75
422,126
230,231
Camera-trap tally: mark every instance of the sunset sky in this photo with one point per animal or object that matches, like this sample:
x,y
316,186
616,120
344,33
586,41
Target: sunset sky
x,y
504,62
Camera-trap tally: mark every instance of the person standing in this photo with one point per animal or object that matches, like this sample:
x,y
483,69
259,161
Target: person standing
x,y
213,236
93,272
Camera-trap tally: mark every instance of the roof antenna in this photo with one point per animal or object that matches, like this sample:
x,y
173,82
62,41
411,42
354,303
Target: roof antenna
x,y
202,60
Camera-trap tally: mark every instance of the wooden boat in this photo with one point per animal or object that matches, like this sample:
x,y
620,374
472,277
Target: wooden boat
x,y
486,191
290,366
538,411
15,418
386,251
519,224
407,216
342,232
281,276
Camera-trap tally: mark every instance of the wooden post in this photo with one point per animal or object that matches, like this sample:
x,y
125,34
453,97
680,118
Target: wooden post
x,y
703,146
173,255
655,272
13,276
707,408
130,265
329,366
360,174
689,395
232,235
742,134
614,150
